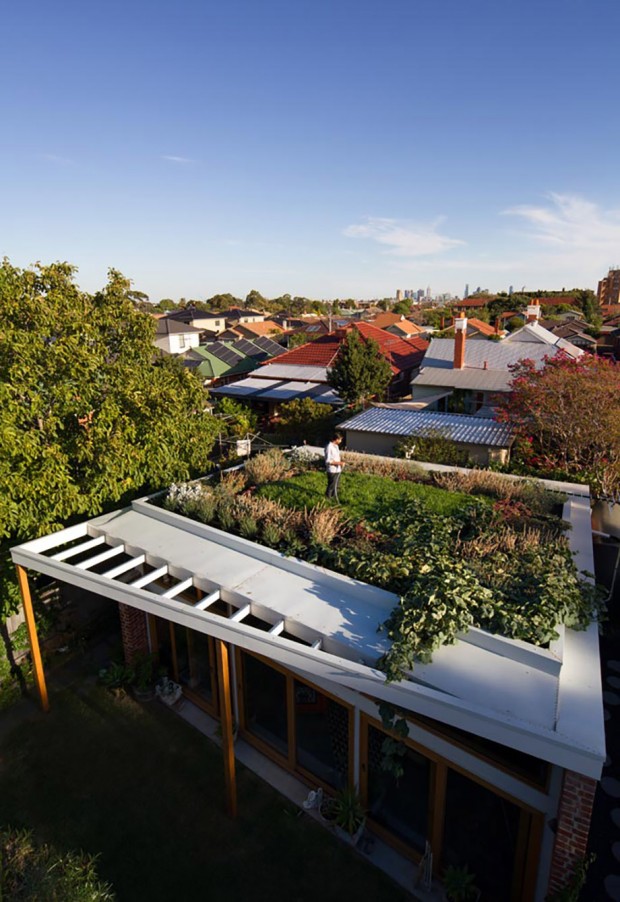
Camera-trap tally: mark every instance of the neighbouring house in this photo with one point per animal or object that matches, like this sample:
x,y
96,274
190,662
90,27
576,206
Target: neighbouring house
x,y
379,429
478,329
208,323
241,315
220,362
469,304
175,337
506,739
475,372
259,330
573,330
406,329
302,372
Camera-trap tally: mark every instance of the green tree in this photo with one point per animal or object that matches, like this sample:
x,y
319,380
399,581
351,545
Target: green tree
x,y
360,371
255,300
305,420
86,416
403,308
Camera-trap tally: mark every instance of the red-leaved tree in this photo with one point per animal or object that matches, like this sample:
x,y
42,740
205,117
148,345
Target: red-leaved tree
x,y
566,416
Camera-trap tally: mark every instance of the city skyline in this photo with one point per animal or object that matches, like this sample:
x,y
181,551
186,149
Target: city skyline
x,y
321,149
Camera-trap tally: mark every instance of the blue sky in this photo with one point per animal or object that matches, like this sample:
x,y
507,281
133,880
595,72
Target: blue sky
x,y
326,148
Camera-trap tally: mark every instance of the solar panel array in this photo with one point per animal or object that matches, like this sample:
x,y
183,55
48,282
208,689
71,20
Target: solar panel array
x,y
224,352
271,347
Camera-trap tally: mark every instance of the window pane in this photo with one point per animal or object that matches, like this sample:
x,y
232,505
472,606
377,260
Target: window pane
x,y
321,735
194,661
399,804
481,830
264,691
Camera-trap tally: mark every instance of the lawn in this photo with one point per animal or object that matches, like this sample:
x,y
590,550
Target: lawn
x,y
143,790
363,495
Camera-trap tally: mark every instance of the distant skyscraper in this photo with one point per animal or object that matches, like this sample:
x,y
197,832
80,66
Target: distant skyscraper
x,y
399,294
428,291
510,289
466,292
420,293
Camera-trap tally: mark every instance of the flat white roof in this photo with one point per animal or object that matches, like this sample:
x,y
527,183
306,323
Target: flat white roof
x,y
545,702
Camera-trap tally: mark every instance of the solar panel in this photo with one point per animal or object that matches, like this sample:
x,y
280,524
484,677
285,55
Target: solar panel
x,y
272,348
244,346
224,353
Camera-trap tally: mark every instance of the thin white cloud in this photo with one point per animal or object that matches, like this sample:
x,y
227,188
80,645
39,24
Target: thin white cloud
x,y
404,239
173,159
569,222
55,158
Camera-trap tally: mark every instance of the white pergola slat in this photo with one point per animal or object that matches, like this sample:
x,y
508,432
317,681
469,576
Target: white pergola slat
x,y
143,581
78,549
100,558
205,603
179,588
124,568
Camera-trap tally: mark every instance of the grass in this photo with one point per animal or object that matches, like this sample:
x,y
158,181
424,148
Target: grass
x,y
143,790
362,495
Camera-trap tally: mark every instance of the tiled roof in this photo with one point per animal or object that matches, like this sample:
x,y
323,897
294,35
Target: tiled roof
x,y
480,326
382,320
454,426
474,302
267,327
401,354
408,328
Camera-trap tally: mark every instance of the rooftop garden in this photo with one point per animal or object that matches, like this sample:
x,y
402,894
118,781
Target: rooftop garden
x,y
460,549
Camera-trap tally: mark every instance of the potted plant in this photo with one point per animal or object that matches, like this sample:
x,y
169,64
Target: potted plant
x,y
168,692
116,678
458,884
346,813
144,677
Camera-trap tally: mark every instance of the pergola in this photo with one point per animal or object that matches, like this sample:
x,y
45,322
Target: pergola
x,y
544,702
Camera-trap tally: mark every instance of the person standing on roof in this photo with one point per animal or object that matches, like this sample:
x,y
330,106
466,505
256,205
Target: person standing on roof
x,y
333,465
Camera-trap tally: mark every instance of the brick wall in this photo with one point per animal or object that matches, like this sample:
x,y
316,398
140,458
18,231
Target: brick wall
x,y
571,839
133,632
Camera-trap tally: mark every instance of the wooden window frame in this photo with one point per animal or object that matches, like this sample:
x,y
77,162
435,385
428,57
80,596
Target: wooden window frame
x,y
531,821
289,761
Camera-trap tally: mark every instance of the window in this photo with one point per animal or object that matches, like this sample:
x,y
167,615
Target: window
x,y
321,735
265,707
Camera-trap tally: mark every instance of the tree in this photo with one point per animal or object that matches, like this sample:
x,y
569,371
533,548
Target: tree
x,y
255,300
86,415
360,371
303,419
403,308
567,417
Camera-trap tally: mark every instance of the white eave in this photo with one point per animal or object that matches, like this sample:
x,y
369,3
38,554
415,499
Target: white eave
x,y
545,702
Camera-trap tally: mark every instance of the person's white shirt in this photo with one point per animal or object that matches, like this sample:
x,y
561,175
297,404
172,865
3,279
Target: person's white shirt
x,y
333,461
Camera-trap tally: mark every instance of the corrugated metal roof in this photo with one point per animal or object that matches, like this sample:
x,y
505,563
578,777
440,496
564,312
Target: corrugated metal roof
x,y
289,371
467,378
497,355
456,427
273,390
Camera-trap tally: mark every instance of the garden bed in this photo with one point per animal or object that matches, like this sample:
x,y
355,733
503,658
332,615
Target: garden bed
x,y
460,549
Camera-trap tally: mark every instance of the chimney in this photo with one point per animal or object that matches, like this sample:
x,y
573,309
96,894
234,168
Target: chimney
x,y
460,334
533,313
442,323
498,323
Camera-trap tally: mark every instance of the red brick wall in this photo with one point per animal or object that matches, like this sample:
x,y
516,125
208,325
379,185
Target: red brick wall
x,y
133,632
571,839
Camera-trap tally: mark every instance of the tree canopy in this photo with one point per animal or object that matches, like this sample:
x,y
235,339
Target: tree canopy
x,y
567,417
360,371
88,413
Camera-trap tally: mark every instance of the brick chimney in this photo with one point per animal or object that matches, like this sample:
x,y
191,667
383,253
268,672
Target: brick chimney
x,y
460,335
533,313
498,324
442,323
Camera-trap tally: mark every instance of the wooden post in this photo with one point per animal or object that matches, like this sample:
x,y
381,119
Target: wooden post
x,y
228,747
37,663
